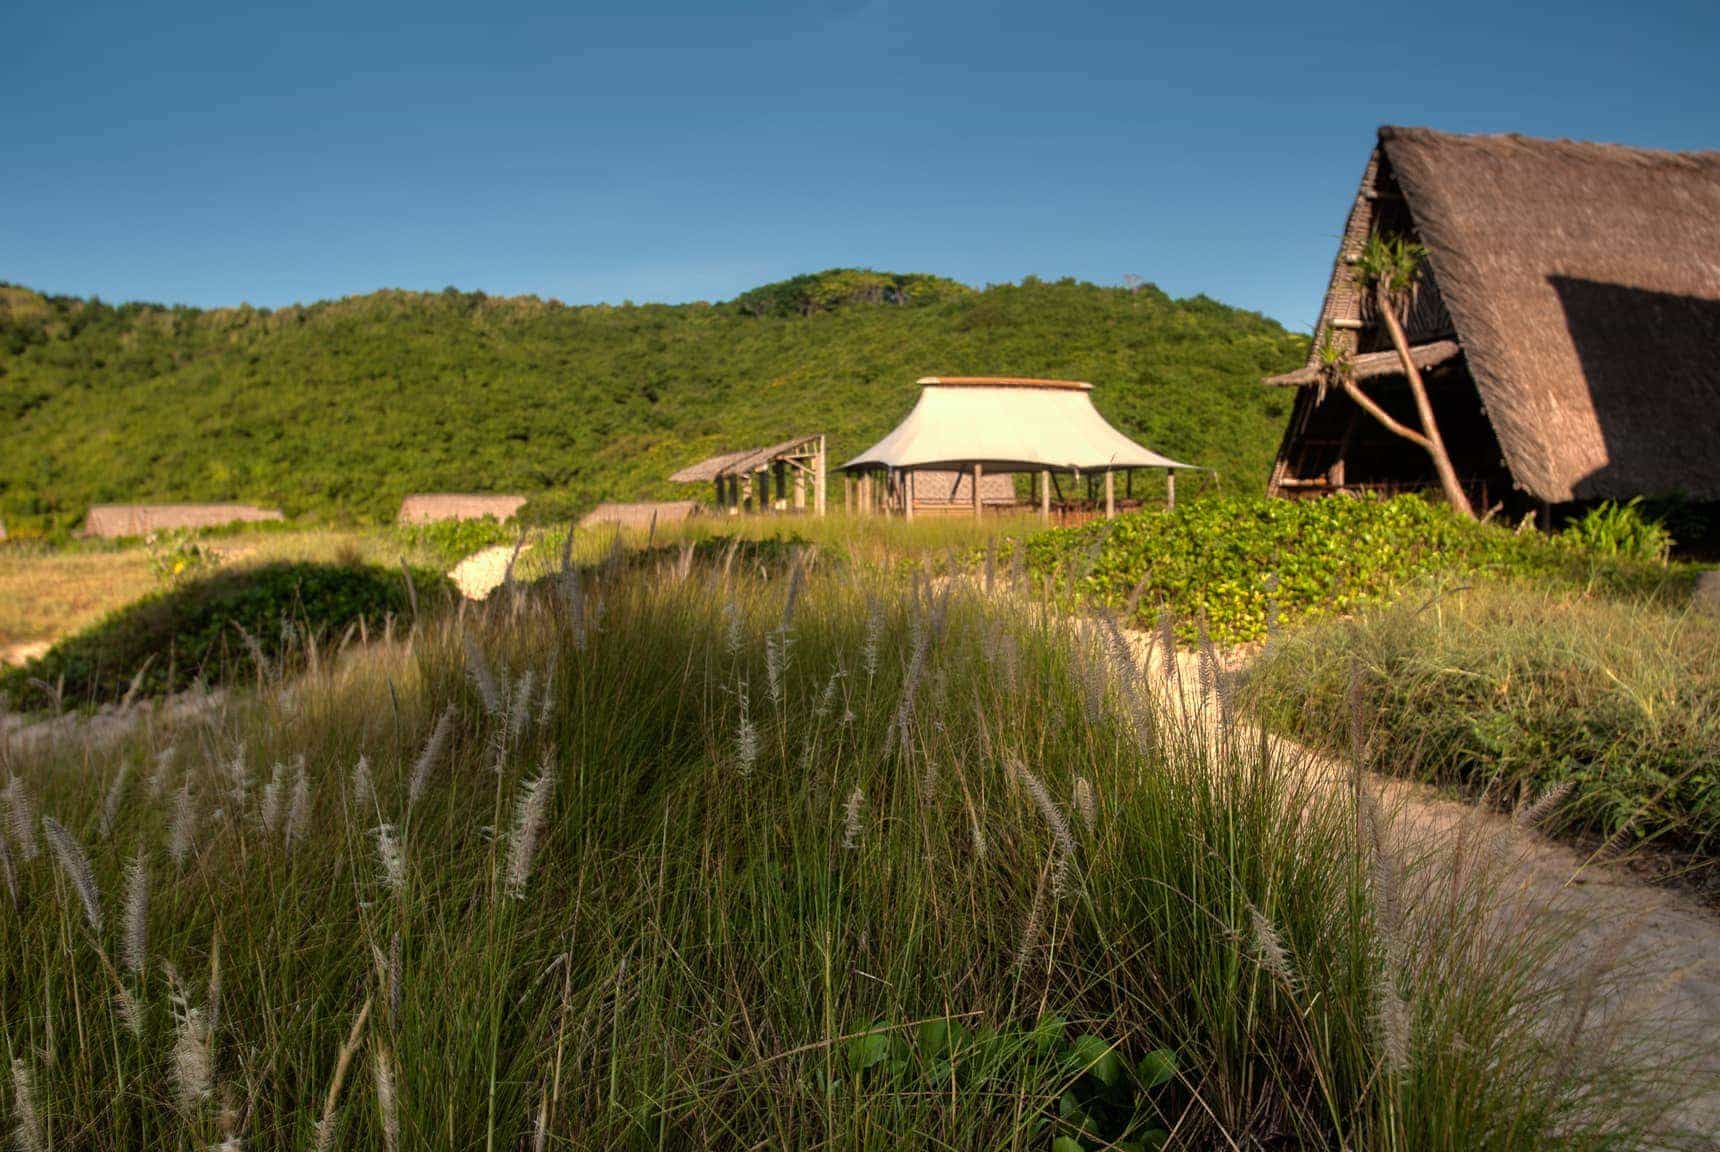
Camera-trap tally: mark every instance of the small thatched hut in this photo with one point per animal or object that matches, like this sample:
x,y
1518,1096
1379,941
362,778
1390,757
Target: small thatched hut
x,y
643,515
772,478
1567,325
429,507
112,521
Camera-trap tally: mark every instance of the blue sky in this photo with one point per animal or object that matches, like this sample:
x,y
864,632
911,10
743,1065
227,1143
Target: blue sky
x,y
600,152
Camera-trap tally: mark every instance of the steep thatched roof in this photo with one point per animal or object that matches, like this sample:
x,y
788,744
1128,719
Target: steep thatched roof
x,y
429,507
1583,283
745,462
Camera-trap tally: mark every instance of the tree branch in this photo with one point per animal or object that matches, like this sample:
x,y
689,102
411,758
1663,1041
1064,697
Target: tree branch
x,y
1378,413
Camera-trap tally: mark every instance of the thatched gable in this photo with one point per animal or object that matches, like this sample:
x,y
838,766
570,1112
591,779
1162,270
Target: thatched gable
x,y
1582,282
745,462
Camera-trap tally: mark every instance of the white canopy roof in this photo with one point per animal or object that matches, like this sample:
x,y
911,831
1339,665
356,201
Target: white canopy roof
x,y
1007,424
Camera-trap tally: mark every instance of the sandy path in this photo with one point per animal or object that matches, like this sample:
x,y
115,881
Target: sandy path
x,y
1666,944
482,572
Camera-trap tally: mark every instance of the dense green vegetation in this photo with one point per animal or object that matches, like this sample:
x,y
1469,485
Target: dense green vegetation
x,y
338,409
234,624
1511,694
1244,565
655,858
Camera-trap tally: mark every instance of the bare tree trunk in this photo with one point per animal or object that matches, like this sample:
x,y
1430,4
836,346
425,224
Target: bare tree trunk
x,y
1430,438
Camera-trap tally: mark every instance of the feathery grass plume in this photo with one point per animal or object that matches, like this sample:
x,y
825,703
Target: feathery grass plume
x,y
1614,844
1392,1020
274,799
27,1128
393,984
746,735
324,1138
827,697
731,627
796,579
264,672
182,832
363,787
1086,805
572,591
6,871
388,854
387,1103
75,863
21,813
851,818
520,706
1215,681
546,702
213,999
160,770
299,811
482,679
239,775
1032,926
126,1007
874,632
1532,815
775,664
192,1062
530,813
114,797
429,758
1167,646
1269,947
1063,872
134,950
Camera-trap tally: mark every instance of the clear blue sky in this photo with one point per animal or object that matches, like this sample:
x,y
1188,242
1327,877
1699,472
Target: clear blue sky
x,y
212,154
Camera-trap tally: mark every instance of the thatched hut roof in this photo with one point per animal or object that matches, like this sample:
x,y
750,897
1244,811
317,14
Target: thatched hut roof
x,y
745,462
429,507
112,521
1583,283
641,515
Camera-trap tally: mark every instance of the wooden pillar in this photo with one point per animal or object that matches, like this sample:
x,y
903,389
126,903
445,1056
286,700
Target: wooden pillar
x,y
1110,496
1170,487
906,480
847,494
978,472
719,486
799,490
818,481
1045,495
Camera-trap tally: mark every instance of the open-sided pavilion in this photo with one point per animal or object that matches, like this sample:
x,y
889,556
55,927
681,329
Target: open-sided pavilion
x,y
998,425
772,478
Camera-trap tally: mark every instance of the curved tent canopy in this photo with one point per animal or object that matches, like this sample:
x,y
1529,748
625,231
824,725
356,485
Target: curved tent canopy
x,y
1007,424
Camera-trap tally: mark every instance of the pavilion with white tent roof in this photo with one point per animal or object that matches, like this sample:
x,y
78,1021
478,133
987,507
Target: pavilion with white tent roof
x,y
973,427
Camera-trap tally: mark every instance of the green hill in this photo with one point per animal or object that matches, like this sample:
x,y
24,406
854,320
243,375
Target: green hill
x,y
338,409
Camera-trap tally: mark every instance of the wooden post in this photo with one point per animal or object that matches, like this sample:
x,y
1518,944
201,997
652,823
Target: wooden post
x,y
818,481
799,490
1045,495
907,482
1170,487
847,494
1110,496
978,472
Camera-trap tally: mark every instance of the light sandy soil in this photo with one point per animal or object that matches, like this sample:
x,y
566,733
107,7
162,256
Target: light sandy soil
x,y
482,572
18,654
1657,949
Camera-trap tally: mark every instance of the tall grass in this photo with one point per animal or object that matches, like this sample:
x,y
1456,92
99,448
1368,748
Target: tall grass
x,y
949,877
1604,713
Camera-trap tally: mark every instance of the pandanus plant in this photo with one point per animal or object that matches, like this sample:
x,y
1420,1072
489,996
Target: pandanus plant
x,y
1388,269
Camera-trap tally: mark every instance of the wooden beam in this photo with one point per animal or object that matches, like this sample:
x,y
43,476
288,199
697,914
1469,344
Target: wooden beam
x,y
819,481
1110,496
978,472
1045,495
1170,487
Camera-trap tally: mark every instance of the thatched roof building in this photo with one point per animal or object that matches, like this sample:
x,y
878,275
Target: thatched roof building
x,y
1568,323
429,507
112,521
643,515
762,478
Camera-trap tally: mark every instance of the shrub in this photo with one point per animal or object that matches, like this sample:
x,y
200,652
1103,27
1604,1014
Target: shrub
x,y
1239,563
1509,692
451,541
1620,530
218,628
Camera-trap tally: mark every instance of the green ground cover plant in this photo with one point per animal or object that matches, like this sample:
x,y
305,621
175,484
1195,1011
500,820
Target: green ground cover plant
x,y
225,627
1245,565
1514,694
704,856
334,411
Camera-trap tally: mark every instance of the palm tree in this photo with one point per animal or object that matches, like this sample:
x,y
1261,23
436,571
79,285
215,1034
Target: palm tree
x,y
1388,269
